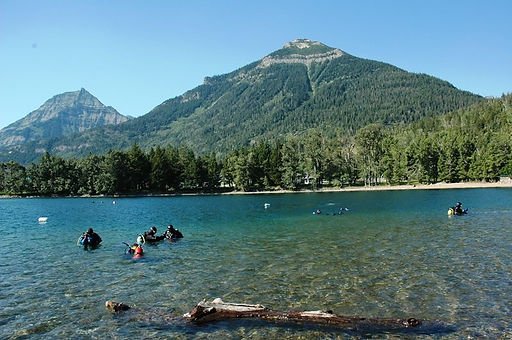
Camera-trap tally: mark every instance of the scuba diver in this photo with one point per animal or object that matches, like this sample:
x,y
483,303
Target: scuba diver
x,y
457,210
172,233
136,250
90,239
150,235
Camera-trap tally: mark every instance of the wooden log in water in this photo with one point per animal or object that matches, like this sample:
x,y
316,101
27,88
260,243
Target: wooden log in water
x,y
218,310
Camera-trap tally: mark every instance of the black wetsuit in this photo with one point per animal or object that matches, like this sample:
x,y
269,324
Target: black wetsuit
x,y
91,239
173,234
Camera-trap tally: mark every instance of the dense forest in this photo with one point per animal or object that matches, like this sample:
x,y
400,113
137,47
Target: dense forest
x,y
261,103
254,104
472,144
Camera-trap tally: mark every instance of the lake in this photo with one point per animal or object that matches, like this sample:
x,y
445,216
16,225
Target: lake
x,y
392,254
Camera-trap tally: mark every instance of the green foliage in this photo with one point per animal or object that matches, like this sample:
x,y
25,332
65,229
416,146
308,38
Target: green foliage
x,y
290,126
257,103
13,179
370,151
446,148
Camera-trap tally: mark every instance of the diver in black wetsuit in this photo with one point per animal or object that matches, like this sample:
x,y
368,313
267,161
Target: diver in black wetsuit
x,y
150,235
458,209
90,238
172,233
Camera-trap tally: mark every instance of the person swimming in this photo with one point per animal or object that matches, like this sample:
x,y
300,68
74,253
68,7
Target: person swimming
x,y
457,210
150,235
136,250
172,233
90,238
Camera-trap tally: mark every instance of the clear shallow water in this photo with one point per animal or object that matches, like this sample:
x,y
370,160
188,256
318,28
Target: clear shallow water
x,y
394,254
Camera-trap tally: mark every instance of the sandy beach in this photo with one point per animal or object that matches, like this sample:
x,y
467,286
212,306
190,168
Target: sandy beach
x,y
507,183
441,185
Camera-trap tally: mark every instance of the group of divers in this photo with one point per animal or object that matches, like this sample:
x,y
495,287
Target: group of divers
x,y
90,239
456,210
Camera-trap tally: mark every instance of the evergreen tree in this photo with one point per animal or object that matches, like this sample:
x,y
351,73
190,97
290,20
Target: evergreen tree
x,y
370,152
290,169
13,179
139,169
159,177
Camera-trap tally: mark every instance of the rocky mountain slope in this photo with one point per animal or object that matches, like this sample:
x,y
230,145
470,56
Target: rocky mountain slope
x,y
303,85
64,114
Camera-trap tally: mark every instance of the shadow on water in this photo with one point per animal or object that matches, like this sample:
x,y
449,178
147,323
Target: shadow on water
x,y
168,321
290,329
297,329
401,256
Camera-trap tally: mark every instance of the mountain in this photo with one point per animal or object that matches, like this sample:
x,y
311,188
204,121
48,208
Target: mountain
x,y
64,114
304,85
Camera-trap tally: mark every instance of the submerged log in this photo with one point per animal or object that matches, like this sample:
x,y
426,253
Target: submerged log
x,y
218,310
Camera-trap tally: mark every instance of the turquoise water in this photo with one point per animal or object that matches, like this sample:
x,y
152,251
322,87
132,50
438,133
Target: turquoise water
x,y
393,254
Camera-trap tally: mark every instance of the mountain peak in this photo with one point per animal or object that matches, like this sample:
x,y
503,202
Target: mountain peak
x,y
304,51
305,44
63,114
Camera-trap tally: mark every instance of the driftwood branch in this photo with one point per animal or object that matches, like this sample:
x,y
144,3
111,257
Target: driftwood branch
x,y
218,310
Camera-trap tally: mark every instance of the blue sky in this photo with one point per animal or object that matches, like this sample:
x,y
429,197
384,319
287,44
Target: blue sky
x,y
133,55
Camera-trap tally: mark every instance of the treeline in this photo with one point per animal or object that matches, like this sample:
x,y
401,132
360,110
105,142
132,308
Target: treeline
x,y
469,145
161,170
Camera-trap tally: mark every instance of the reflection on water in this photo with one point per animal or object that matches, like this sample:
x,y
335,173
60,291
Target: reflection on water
x,y
393,254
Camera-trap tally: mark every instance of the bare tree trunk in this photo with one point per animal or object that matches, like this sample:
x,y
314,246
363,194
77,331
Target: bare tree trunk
x,y
217,310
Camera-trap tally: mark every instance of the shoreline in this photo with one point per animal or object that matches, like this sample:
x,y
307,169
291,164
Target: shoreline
x,y
436,186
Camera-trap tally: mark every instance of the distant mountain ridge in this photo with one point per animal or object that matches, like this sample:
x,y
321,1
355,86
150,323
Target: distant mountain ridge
x,y
304,85
61,115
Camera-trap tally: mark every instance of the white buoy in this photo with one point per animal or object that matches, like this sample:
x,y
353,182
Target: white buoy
x,y
42,219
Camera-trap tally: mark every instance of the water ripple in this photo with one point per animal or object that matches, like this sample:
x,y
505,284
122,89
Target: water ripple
x,y
404,257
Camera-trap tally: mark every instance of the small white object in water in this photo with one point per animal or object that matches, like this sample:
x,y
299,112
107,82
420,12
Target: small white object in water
x,y
266,205
42,219
113,202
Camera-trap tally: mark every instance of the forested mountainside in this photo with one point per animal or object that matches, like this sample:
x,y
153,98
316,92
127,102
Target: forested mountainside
x,y
471,144
305,85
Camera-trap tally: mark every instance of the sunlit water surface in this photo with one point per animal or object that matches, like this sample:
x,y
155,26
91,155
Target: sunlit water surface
x,y
393,254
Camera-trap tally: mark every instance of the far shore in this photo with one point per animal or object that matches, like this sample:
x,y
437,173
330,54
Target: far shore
x,y
437,186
